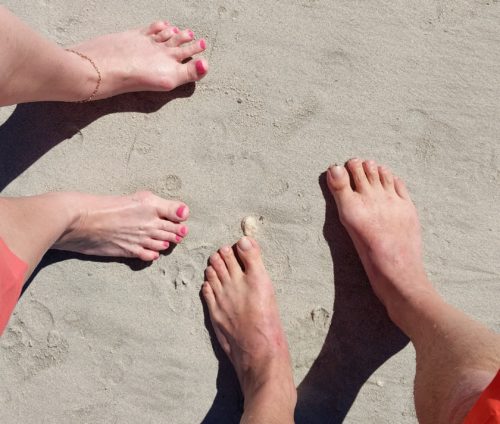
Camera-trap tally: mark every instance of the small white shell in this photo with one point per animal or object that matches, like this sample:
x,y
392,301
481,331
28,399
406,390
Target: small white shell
x,y
249,226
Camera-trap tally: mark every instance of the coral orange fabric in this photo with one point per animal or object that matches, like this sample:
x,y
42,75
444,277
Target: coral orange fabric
x,y
487,408
12,271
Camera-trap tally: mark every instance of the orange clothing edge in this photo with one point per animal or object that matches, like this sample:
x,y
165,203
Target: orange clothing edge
x,y
487,408
12,272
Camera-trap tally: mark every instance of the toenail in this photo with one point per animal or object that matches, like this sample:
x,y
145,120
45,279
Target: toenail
x,y
200,67
244,244
175,30
226,250
336,171
180,211
183,231
166,243
190,33
178,239
203,44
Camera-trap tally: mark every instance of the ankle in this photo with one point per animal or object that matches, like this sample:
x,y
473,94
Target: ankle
x,y
273,379
277,393
409,310
69,207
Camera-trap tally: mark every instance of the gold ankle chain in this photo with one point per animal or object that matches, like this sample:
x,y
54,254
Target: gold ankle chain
x,y
99,78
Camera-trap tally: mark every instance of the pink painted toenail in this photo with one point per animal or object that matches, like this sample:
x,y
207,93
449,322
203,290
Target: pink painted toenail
x,y
178,239
183,231
175,30
166,243
180,211
203,44
244,244
200,67
191,34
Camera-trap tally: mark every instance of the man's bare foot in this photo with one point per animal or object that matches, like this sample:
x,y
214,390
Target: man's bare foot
x,y
246,320
146,59
139,225
383,224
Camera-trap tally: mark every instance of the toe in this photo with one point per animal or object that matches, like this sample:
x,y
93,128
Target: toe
x,y
165,35
249,253
172,210
172,228
180,38
232,264
338,182
156,27
166,236
147,255
191,49
371,172
156,245
192,71
209,296
355,167
401,189
386,178
213,280
220,268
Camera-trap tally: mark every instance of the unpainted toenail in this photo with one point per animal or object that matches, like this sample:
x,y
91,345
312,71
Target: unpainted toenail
x,y
336,171
244,243
226,249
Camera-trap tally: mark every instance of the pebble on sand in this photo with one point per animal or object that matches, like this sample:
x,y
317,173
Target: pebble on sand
x,y
249,226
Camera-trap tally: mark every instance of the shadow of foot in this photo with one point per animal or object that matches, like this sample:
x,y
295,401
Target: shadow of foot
x,y
360,339
35,128
55,256
227,406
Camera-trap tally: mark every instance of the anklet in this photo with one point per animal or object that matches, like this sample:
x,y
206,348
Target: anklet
x,y
98,75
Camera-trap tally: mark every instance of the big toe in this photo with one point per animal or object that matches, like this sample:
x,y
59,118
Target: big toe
x,y
249,253
338,182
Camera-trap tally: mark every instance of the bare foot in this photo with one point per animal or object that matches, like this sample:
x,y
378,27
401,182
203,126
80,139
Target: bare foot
x,y
146,59
383,224
246,321
138,225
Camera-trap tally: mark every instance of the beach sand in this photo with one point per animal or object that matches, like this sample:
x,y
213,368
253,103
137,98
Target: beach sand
x,y
293,86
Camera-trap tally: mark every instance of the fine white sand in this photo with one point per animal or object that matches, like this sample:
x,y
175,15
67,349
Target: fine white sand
x,y
293,86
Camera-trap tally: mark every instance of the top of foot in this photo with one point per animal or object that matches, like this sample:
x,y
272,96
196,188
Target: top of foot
x,y
245,317
382,221
146,59
134,226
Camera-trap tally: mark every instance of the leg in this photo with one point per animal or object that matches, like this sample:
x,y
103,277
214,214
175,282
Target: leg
x,y
456,356
138,225
246,321
146,59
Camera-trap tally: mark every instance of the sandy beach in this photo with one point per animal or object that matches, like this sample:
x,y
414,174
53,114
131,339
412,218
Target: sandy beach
x,y
293,86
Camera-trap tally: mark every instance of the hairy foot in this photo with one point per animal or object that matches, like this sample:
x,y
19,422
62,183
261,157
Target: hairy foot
x,y
146,59
139,225
383,224
246,320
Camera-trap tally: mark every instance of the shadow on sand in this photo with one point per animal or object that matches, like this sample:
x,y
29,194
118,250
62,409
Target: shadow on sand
x,y
35,128
360,339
